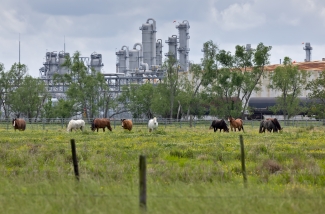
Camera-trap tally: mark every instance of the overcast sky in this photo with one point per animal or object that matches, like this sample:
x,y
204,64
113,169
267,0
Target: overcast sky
x,y
104,26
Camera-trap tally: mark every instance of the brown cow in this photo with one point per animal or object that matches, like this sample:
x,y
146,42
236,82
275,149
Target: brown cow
x,y
19,124
127,124
101,123
236,124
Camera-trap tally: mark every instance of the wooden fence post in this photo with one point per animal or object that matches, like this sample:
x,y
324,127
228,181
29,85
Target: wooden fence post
x,y
243,159
74,159
143,182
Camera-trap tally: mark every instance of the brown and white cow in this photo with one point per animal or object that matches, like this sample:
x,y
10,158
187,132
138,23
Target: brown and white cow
x,y
19,124
127,124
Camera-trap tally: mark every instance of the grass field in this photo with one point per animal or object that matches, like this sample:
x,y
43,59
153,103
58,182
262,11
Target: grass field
x,y
189,170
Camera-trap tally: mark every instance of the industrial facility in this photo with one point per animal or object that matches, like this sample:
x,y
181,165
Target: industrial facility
x,y
143,62
139,63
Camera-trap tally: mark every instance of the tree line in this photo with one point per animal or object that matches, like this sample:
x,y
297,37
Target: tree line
x,y
220,85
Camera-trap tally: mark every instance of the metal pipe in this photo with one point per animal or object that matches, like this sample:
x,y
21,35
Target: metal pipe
x,y
127,57
141,56
154,23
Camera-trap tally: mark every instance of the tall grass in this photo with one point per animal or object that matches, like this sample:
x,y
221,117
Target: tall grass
x,y
189,170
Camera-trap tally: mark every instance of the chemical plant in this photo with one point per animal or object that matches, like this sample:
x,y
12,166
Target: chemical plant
x,y
139,63
142,62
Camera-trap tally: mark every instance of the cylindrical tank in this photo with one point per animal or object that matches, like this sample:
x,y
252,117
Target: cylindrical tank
x,y
149,42
51,63
62,59
134,60
172,46
121,64
159,52
183,31
96,61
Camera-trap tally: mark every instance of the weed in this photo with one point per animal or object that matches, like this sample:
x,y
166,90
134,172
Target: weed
x,y
182,154
270,166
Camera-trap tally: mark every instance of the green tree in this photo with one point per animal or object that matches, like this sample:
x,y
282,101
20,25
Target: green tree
x,y
48,109
200,76
86,90
161,101
247,67
63,108
289,81
165,92
5,87
224,93
29,97
9,82
138,99
317,94
253,68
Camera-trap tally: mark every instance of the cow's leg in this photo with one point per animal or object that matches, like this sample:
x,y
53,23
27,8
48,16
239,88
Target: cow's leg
x,y
104,129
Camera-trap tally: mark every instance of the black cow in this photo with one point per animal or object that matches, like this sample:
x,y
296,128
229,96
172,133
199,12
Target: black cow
x,y
268,125
219,124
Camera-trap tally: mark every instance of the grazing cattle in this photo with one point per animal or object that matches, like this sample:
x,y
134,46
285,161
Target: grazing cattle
x,y
19,124
127,124
271,124
101,123
236,124
76,124
219,124
268,125
276,123
152,124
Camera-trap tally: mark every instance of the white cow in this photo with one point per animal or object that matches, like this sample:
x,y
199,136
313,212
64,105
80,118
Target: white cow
x,y
152,124
76,124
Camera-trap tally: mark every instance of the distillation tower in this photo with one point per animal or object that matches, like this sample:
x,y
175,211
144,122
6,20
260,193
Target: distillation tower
x,y
308,49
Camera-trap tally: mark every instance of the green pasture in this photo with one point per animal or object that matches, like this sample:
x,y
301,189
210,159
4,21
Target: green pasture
x,y
189,170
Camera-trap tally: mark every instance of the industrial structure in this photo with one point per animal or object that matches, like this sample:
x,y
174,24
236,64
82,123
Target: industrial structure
x,y
308,49
140,63
145,60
